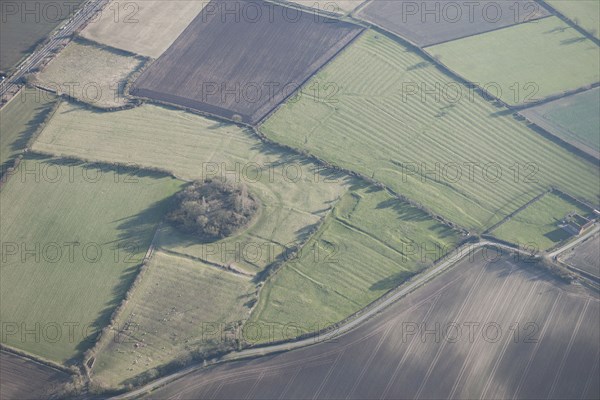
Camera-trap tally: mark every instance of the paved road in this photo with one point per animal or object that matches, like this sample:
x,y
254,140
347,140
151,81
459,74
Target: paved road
x,y
402,291
59,38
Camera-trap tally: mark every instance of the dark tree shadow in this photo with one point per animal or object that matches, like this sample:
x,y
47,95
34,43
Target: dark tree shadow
x,y
392,281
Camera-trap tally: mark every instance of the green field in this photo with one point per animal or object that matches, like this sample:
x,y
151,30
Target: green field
x,y
90,73
539,222
574,119
294,193
585,13
368,246
525,62
369,121
175,310
21,31
19,120
73,237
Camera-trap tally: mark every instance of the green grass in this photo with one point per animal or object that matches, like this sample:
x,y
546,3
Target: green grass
x,y
369,245
539,222
374,127
191,147
99,74
545,54
578,119
64,213
585,13
171,313
19,120
20,31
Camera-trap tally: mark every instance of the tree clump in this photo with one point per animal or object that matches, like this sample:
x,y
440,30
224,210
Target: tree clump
x,y
213,209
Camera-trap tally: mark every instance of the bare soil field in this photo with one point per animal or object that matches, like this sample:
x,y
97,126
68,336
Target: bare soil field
x,y
146,27
483,329
243,65
90,74
585,256
424,23
24,379
573,119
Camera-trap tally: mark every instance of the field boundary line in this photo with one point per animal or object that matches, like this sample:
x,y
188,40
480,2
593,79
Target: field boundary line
x,y
344,327
569,21
215,265
562,136
515,212
554,97
425,54
364,178
4,176
4,348
89,356
327,62
492,30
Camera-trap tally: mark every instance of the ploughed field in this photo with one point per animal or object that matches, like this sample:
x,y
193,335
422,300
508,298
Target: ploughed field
x,y
490,327
585,256
425,23
25,379
243,67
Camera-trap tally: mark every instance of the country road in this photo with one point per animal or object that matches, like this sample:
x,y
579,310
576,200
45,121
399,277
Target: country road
x,y
58,38
369,312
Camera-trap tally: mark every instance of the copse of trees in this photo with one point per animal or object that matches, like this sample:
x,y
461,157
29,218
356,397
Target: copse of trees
x,y
213,209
